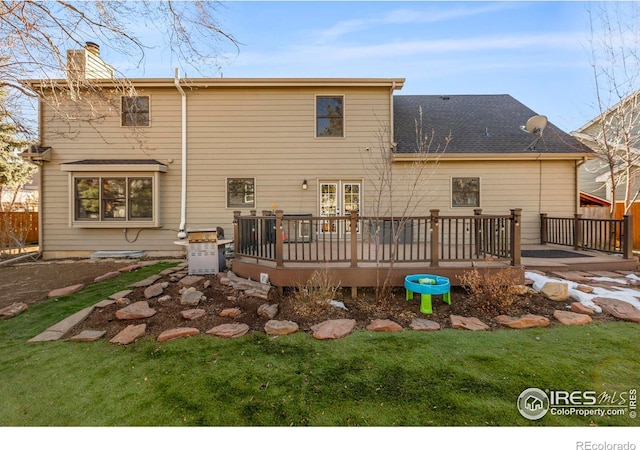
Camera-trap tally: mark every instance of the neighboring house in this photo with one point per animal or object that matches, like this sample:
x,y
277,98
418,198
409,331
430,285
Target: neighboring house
x,y
186,153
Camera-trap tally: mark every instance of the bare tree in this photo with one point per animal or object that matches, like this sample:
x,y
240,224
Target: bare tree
x,y
399,189
36,36
615,133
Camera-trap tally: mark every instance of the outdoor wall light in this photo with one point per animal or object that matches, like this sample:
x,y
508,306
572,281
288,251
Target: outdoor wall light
x,y
304,185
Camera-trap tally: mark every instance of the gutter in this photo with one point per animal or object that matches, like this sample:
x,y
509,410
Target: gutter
x,y
183,199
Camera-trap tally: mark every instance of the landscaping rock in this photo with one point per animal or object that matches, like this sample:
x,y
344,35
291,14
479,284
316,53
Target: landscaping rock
x,y
137,310
88,336
571,318
13,310
193,314
229,330
121,294
280,327
618,308
176,333
468,323
231,312
191,297
129,334
66,290
419,324
333,329
190,281
556,291
579,308
106,276
585,289
153,291
164,299
268,310
526,321
384,325
147,281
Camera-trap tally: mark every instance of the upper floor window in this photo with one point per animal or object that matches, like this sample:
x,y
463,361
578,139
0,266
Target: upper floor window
x,y
465,192
330,116
135,111
241,193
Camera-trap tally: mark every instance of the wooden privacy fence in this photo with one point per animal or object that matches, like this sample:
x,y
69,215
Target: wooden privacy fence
x,y
606,235
360,241
18,229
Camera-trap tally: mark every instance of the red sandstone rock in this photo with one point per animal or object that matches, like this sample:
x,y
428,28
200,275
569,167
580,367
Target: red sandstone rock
x,y
571,318
129,334
526,321
280,327
229,330
137,310
618,308
66,290
193,314
333,329
579,308
176,333
12,310
468,323
383,325
231,312
419,324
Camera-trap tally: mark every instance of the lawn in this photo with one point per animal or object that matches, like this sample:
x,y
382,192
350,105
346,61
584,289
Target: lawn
x,y
444,378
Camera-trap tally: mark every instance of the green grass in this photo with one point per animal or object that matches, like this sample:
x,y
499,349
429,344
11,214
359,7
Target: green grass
x,y
445,378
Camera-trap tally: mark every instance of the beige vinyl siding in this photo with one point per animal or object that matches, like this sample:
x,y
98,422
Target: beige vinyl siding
x,y
262,133
535,186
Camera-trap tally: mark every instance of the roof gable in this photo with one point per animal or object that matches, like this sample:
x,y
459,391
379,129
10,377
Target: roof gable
x,y
476,124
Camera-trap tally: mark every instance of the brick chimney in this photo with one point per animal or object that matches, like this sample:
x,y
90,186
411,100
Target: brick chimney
x,y
86,64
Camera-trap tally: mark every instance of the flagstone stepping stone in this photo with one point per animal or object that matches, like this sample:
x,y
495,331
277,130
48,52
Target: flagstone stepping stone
x,y
55,332
556,291
526,321
384,325
66,290
137,310
229,330
176,333
333,329
268,310
193,314
585,289
88,336
618,308
419,324
106,276
571,318
147,281
231,312
190,281
104,303
120,294
129,334
468,323
13,310
130,268
280,327
579,308
191,297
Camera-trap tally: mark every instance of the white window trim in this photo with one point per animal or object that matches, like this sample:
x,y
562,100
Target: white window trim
x,y
344,117
114,171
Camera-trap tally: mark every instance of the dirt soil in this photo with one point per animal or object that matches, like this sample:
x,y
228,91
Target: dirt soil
x,y
30,283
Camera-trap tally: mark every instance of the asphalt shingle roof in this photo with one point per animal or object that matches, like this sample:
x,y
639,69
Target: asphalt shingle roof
x,y
476,124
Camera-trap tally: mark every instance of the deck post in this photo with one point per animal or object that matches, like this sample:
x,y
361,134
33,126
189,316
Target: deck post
x,y
279,243
627,233
577,232
544,233
236,230
516,216
477,235
354,238
435,236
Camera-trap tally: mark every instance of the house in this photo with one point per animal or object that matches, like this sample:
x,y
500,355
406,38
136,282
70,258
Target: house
x,y
136,171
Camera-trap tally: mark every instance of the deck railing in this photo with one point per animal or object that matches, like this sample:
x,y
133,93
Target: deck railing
x,y
360,240
605,235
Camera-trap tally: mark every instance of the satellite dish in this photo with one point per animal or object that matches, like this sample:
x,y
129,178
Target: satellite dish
x,y
535,124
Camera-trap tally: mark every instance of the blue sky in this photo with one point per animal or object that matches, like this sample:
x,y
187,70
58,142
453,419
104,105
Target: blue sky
x,y
538,52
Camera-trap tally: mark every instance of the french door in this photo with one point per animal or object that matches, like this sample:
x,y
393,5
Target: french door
x,y
339,198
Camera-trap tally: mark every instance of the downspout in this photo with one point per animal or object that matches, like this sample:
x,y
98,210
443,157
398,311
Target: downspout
x,y
183,200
